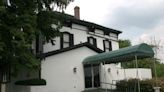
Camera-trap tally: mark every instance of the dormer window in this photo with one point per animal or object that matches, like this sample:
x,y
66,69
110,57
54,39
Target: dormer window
x,y
107,45
92,41
66,40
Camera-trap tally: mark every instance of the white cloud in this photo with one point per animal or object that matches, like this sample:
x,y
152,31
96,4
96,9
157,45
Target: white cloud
x,y
154,36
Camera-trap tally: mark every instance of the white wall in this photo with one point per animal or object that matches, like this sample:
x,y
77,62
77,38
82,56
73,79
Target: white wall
x,y
49,47
80,36
117,74
57,70
143,73
109,75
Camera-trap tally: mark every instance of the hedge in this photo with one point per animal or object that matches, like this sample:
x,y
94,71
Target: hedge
x,y
145,85
31,82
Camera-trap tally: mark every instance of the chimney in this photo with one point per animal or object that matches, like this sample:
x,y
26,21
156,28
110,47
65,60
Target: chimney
x,y
77,12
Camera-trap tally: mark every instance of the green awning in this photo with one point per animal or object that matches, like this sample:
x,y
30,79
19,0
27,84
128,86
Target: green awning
x,y
125,54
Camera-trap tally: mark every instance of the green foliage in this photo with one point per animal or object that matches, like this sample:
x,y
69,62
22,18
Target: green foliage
x,y
145,85
159,69
124,43
147,63
31,82
143,63
20,23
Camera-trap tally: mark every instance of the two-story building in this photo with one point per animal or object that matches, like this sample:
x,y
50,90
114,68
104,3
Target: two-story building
x,y
62,62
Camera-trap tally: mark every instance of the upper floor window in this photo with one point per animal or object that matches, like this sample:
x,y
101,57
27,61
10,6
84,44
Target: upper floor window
x,y
92,41
107,45
66,40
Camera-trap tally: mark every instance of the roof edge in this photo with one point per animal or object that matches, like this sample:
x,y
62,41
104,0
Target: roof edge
x,y
51,53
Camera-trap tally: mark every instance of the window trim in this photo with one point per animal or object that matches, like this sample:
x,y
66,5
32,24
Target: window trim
x,y
110,45
71,40
94,40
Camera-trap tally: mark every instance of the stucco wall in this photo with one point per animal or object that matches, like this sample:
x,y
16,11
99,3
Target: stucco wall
x,y
143,73
111,74
58,71
80,36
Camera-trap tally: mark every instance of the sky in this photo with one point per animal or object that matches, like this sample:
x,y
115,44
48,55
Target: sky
x,y
139,20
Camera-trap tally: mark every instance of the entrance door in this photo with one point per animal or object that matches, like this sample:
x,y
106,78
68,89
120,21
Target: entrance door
x,y
92,76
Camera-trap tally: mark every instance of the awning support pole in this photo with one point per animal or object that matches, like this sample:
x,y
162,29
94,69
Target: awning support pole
x,y
137,73
105,76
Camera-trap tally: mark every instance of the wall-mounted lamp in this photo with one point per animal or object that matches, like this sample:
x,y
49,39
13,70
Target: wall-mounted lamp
x,y
109,70
117,72
74,69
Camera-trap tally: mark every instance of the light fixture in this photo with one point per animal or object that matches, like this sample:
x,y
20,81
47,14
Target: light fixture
x,y
74,69
109,70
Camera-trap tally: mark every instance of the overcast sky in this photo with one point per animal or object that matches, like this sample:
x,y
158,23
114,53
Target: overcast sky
x,y
139,20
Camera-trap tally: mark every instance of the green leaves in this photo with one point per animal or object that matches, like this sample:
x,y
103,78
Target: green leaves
x,y
20,22
124,43
45,22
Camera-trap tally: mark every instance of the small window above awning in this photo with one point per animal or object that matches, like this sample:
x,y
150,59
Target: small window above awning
x,y
125,54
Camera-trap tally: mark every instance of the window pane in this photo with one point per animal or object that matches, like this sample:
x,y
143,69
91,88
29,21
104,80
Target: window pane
x,y
107,49
88,76
66,37
96,76
106,44
91,41
65,45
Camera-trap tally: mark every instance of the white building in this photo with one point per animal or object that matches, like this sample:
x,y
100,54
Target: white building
x,y
62,62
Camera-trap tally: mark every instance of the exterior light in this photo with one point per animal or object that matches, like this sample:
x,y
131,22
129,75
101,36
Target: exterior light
x,y
74,69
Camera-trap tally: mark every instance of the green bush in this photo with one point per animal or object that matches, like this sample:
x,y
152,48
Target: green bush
x,y
145,85
31,82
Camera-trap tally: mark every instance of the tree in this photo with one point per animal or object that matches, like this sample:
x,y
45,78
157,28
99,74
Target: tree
x,y
124,43
21,21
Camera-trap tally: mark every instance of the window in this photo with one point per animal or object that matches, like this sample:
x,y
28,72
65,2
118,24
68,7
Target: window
x,y
66,40
4,72
107,45
39,44
92,77
92,41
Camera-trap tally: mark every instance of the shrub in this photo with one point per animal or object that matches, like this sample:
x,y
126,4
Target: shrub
x,y
131,85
